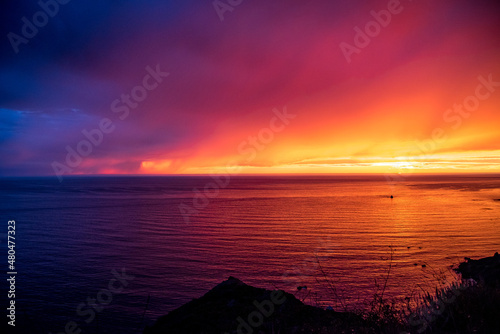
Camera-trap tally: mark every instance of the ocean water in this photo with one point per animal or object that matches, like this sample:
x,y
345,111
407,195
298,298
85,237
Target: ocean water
x,y
272,232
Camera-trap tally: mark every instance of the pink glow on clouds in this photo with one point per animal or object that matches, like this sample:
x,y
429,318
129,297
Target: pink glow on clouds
x,y
226,77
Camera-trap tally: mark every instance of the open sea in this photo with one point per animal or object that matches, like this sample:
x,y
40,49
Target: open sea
x,y
177,237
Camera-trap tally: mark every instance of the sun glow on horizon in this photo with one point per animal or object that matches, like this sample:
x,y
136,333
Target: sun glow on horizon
x,y
458,162
269,91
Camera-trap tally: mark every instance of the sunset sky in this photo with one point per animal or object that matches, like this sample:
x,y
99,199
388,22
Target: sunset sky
x,y
268,88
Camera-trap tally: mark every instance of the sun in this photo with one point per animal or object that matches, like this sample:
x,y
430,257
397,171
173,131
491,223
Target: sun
x,y
402,165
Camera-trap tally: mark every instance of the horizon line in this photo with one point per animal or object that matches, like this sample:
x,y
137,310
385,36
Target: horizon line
x,y
261,174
